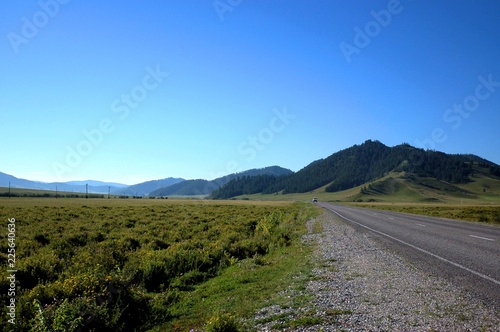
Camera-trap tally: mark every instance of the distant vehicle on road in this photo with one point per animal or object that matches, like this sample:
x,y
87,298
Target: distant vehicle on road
x,y
315,200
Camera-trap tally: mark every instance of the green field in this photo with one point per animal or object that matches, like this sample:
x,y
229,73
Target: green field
x,y
119,265
175,265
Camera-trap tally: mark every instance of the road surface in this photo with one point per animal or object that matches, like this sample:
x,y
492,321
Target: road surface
x,y
465,253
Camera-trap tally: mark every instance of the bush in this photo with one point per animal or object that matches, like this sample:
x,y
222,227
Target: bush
x,y
222,322
496,217
42,239
63,319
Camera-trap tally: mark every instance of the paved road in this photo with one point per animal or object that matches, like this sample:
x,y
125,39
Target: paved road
x,y
467,254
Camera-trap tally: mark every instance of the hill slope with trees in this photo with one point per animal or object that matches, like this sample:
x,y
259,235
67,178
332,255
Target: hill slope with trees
x,y
361,164
145,188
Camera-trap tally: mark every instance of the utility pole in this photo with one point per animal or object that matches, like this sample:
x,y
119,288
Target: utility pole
x,y
56,191
9,189
109,191
86,190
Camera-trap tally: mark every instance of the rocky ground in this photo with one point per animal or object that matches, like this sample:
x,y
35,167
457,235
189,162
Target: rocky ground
x,y
358,285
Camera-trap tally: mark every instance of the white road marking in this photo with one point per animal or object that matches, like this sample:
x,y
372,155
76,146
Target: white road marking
x,y
482,238
422,250
422,225
391,218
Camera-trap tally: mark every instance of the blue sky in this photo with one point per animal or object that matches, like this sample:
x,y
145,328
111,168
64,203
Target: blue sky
x,y
129,91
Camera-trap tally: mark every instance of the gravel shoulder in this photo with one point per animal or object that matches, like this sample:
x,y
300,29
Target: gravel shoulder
x,y
359,285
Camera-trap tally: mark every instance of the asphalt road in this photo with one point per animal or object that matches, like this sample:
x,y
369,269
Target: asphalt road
x,y
465,253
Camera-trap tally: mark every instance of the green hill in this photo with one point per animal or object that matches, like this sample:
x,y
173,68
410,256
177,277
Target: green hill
x,y
374,172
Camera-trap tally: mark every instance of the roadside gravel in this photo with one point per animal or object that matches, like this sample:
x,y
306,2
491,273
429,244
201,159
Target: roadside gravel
x,y
358,285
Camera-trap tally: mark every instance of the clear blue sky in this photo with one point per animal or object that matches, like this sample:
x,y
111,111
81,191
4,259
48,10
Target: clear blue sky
x,y
129,91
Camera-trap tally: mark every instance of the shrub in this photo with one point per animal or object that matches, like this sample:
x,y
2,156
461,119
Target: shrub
x,y
154,276
42,239
63,319
222,322
32,270
482,217
78,240
496,217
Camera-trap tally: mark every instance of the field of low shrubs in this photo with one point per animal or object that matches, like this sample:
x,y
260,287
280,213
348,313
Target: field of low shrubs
x,y
113,265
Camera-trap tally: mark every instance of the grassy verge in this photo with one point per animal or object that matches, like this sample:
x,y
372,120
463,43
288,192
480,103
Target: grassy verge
x,y
239,291
477,213
242,289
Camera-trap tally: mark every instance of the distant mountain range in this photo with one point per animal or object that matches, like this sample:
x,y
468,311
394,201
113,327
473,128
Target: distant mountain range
x,y
358,165
205,187
70,186
164,187
144,188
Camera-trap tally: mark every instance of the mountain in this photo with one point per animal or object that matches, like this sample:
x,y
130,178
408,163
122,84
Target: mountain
x,y
364,163
205,187
6,179
247,185
71,186
186,188
144,188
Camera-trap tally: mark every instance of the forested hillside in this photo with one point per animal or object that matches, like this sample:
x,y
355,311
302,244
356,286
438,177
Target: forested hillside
x,y
247,185
361,164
